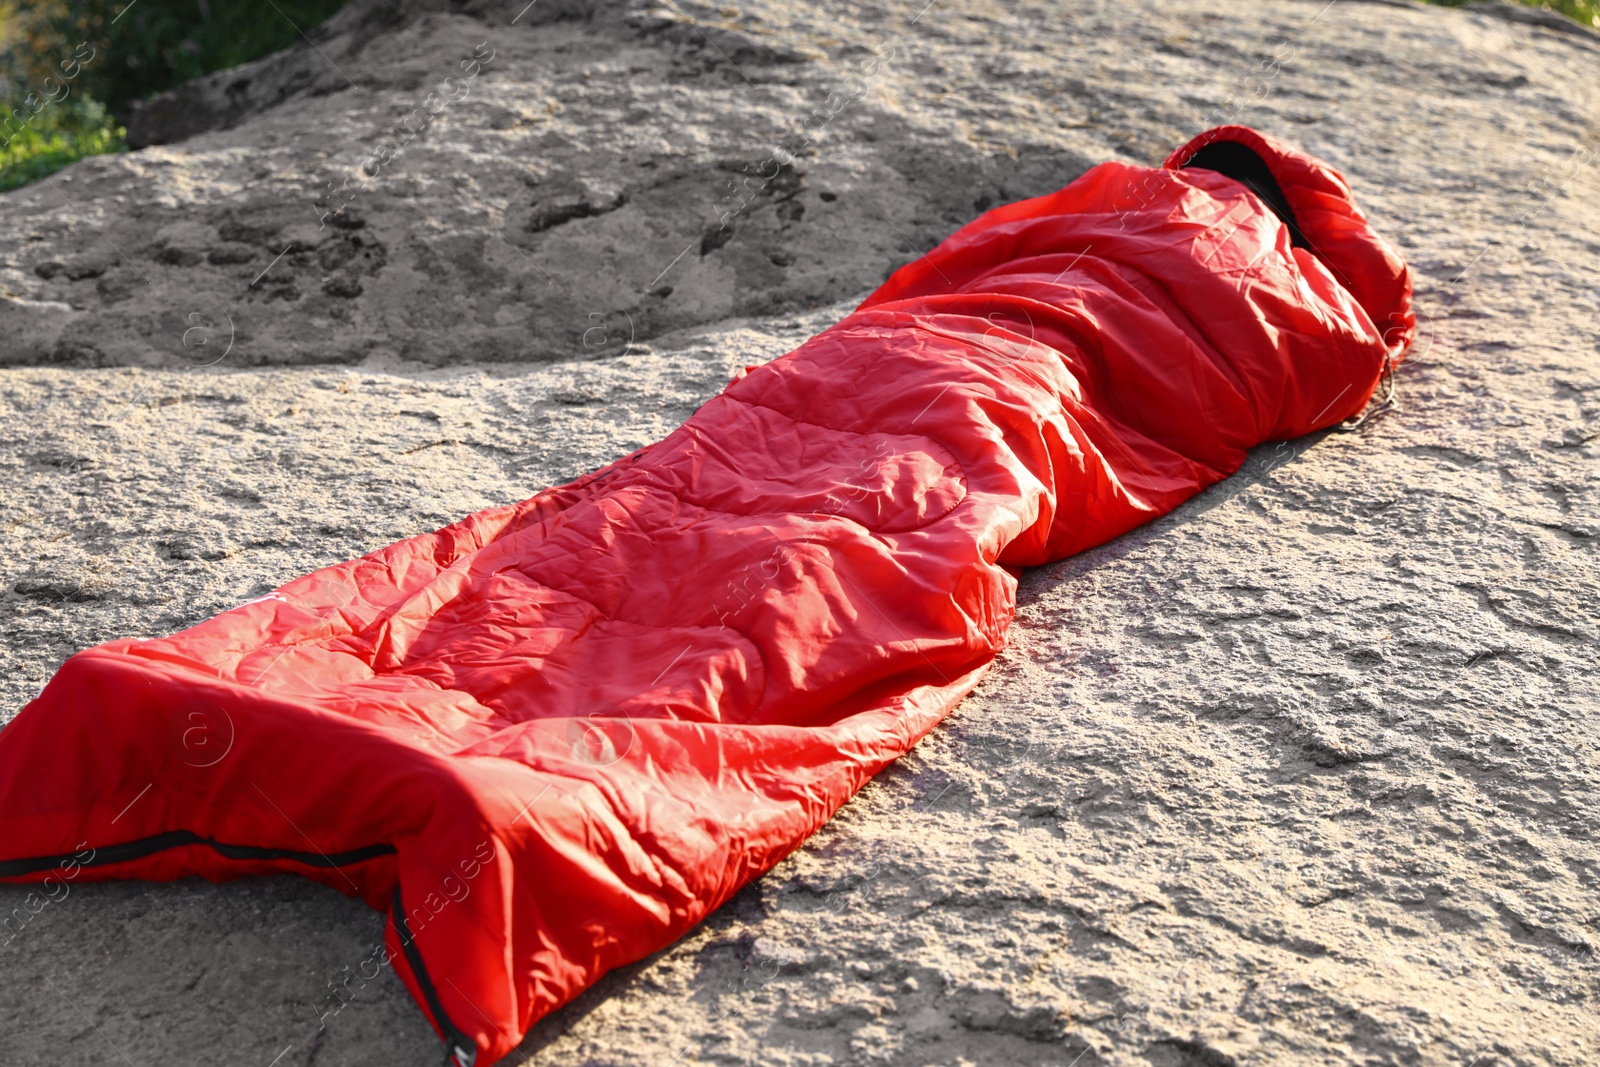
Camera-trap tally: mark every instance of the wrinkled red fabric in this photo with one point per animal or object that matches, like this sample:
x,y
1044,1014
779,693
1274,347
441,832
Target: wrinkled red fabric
x,y
550,738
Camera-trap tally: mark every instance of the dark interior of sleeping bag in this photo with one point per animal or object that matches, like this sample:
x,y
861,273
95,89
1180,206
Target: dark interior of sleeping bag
x,y
1243,165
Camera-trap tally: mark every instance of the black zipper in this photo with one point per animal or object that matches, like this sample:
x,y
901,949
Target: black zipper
x,y
460,1050
148,846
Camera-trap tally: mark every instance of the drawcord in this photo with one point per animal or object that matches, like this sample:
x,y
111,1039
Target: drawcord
x,y
1390,401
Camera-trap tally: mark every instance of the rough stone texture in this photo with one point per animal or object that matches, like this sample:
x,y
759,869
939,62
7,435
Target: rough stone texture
x,y
1303,773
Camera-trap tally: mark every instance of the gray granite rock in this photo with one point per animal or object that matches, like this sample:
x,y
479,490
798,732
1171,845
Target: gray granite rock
x,y
1303,773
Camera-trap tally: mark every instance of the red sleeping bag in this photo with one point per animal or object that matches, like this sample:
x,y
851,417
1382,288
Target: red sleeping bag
x,y
550,738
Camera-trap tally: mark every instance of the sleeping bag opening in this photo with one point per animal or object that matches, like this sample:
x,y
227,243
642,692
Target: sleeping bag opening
x,y
1244,165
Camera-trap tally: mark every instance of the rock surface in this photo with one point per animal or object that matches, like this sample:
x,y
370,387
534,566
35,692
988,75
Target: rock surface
x,y
1304,773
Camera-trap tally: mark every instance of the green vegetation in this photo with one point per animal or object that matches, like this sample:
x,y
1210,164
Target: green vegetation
x,y
1585,12
145,46
70,68
59,134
